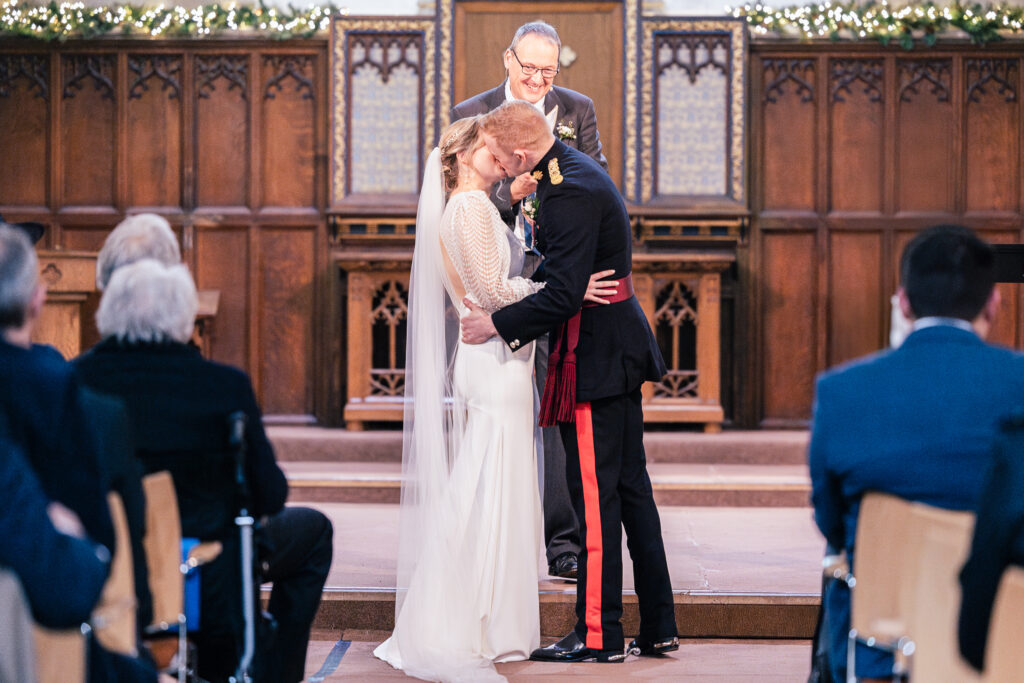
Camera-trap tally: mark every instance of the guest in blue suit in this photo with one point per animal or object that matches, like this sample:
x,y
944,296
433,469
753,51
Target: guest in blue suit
x,y
919,421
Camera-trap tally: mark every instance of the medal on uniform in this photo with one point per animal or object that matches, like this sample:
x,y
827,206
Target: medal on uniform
x,y
554,173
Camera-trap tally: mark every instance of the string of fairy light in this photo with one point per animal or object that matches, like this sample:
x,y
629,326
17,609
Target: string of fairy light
x,y
906,23
55,21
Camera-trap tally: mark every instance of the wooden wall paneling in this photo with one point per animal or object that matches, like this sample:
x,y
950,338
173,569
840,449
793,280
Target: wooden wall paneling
x,y
87,236
856,297
857,133
1007,323
26,90
222,262
89,96
223,142
153,132
288,268
789,154
288,132
789,270
990,134
925,135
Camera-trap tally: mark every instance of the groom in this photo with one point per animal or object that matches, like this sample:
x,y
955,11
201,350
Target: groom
x,y
600,356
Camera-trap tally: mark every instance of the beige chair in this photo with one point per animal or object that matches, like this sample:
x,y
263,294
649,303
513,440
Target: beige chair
x,y
114,618
17,651
944,540
1004,652
60,655
167,572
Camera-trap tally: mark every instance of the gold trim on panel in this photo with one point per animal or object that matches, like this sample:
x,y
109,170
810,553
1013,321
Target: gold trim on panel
x,y
629,140
446,47
737,29
339,88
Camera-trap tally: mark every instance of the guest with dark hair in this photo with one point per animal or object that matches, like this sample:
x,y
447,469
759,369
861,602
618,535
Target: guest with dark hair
x,y
178,405
918,421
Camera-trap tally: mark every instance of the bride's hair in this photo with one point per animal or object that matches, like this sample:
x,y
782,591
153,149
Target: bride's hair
x,y
456,138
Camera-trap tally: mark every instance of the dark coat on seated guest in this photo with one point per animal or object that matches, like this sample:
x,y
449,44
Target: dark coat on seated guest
x,y
998,540
62,576
178,404
41,400
917,422
108,420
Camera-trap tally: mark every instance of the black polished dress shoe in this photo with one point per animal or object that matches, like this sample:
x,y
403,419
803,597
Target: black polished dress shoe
x,y
564,566
572,649
647,648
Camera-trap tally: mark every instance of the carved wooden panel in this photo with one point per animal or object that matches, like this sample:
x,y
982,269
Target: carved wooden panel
x,y
855,298
925,135
286,318
24,121
223,262
222,129
992,142
154,135
789,268
88,117
790,139
857,126
288,130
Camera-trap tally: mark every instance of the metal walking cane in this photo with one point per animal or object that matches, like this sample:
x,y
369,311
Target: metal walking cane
x,y
245,522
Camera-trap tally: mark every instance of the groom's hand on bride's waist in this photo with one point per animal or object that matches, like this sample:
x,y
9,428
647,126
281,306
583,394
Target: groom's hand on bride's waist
x,y
476,325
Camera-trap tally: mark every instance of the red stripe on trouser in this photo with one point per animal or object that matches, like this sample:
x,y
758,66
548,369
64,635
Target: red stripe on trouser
x,y
592,513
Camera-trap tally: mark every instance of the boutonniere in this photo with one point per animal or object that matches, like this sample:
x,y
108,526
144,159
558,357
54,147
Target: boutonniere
x,y
565,131
529,207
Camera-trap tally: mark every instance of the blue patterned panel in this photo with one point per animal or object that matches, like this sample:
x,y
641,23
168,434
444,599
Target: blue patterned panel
x,y
385,130
693,132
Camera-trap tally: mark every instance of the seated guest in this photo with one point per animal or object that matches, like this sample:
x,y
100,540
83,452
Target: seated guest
x,y
998,540
145,235
178,404
918,421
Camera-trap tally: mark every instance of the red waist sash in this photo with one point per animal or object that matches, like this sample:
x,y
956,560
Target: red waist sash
x,y
559,401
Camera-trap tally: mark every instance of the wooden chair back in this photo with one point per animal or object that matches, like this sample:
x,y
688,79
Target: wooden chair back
x,y
114,617
945,538
60,655
163,548
1004,653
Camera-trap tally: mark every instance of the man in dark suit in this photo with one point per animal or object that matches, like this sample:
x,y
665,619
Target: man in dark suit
x,y
531,64
998,540
599,359
178,404
917,422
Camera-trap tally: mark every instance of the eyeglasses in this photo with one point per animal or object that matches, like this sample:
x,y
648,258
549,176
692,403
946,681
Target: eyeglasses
x,y
530,69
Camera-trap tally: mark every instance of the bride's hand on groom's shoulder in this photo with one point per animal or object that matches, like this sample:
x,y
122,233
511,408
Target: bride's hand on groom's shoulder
x,y
476,325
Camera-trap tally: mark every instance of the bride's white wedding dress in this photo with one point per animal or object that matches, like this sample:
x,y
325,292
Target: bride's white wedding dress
x,y
472,594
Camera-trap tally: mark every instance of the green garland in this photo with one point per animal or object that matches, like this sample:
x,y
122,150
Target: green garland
x,y
75,20
905,24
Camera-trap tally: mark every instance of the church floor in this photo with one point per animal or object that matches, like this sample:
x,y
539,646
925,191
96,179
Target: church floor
x,y
347,655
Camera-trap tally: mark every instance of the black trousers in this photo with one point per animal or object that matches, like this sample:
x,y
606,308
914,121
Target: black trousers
x,y
299,547
607,473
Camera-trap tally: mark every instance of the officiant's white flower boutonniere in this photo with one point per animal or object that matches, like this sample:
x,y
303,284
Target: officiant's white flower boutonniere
x,y
565,131
529,207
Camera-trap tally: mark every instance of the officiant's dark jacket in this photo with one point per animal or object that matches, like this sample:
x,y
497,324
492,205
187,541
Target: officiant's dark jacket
x,y
178,403
918,422
574,109
583,227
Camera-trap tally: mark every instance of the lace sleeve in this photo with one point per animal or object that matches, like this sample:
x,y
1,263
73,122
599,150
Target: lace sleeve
x,y
481,254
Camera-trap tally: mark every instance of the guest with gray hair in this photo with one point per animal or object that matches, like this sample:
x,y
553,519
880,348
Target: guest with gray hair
x,y
142,236
178,404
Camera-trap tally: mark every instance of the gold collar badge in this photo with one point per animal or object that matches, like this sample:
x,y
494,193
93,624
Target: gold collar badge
x,y
553,172
538,176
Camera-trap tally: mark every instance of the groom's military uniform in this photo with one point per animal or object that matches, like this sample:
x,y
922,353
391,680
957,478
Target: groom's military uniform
x,y
583,227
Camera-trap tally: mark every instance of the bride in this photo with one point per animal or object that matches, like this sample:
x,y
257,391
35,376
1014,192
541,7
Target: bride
x,y
470,528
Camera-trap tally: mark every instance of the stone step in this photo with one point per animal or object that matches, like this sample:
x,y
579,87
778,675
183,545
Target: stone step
x,y
674,484
316,444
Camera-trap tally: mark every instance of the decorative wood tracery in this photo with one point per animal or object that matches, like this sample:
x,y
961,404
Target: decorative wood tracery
x,y
676,322
982,72
683,53
294,66
97,68
165,68
845,72
799,71
30,67
389,313
914,72
233,68
385,52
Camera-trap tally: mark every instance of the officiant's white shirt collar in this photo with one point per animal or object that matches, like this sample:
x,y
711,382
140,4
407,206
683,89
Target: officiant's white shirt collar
x,y
935,321
551,116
